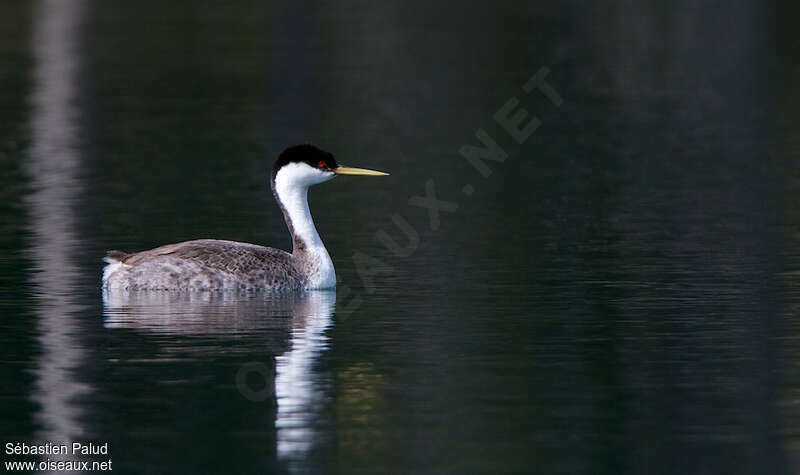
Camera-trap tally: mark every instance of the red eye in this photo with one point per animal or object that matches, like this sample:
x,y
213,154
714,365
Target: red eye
x,y
321,164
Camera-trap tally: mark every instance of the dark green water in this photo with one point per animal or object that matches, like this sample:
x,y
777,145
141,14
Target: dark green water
x,y
617,296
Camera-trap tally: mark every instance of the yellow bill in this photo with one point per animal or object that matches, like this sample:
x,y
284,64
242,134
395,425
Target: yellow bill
x,y
357,171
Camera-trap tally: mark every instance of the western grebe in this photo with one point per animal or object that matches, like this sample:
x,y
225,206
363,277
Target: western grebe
x,y
208,264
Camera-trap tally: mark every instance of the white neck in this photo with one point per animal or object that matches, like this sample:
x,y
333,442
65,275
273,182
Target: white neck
x,y
291,190
295,201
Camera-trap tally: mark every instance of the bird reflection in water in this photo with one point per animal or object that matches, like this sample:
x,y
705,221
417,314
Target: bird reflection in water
x,y
289,327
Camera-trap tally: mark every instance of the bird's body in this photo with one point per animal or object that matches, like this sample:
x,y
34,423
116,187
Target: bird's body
x,y
204,264
210,264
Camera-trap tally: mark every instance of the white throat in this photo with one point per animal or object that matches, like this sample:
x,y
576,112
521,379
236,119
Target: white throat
x,y
291,187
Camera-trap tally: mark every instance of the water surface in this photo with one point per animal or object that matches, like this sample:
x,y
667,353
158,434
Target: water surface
x,y
617,296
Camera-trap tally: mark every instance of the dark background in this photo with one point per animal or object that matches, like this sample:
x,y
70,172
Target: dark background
x,y
616,297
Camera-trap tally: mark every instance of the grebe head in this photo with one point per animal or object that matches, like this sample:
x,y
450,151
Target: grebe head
x,y
304,165
301,166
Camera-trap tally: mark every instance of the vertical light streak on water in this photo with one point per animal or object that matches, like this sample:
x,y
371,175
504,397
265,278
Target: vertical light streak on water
x,y
298,391
53,169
